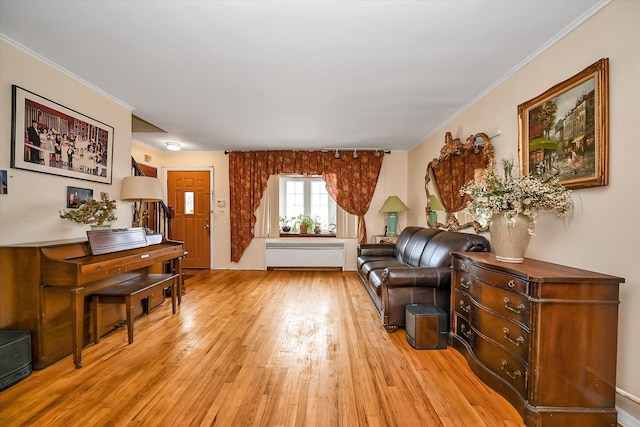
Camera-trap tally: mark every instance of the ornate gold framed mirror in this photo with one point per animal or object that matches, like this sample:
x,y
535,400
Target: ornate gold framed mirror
x,y
458,164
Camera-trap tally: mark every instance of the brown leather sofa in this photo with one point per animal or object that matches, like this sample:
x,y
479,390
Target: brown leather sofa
x,y
416,270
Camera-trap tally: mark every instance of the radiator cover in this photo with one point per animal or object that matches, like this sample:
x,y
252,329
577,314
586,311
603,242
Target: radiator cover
x,y
304,254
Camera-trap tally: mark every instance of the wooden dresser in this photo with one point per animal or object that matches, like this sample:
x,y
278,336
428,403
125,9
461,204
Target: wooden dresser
x,y
542,335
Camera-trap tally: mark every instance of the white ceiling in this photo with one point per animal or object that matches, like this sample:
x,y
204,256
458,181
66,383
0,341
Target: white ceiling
x,y
247,75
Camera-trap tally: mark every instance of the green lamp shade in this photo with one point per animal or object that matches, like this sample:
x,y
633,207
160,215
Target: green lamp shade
x,y
393,204
435,203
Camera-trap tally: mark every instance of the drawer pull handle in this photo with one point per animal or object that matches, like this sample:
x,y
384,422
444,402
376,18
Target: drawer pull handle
x,y
513,374
511,283
517,341
463,266
464,308
464,332
143,256
464,284
519,309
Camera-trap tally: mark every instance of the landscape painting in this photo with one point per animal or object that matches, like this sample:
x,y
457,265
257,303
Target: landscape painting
x,y
564,131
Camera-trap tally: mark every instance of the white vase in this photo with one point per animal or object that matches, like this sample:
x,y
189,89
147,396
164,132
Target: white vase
x,y
509,239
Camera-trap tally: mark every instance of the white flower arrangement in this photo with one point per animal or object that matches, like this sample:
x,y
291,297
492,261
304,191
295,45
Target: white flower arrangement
x,y
522,195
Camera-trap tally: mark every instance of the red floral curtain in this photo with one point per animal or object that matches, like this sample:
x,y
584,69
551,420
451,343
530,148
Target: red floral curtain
x,y
351,182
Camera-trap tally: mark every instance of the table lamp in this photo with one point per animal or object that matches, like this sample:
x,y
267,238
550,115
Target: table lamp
x,y
391,207
140,189
434,205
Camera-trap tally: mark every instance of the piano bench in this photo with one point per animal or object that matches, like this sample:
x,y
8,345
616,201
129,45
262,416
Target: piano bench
x,y
130,293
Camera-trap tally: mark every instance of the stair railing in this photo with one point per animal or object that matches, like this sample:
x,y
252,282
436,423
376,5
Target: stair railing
x,y
157,215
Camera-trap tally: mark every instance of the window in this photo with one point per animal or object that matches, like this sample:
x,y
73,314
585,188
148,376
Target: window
x,y
301,195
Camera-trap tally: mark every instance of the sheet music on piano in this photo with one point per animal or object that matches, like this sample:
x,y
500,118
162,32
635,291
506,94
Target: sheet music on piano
x,y
108,241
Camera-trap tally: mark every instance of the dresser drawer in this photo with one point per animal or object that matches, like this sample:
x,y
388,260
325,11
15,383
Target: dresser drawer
x,y
503,301
510,335
463,304
513,336
463,329
503,364
495,278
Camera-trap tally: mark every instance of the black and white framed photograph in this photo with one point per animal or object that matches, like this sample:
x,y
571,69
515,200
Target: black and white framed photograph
x,y
50,138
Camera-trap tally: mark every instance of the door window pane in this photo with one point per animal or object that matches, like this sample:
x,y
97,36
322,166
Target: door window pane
x,y
189,208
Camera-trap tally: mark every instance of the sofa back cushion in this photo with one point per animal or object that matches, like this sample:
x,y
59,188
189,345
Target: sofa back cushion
x,y
403,239
415,247
437,252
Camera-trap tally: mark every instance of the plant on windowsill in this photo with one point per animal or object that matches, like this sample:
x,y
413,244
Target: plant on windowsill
x,y
306,224
284,221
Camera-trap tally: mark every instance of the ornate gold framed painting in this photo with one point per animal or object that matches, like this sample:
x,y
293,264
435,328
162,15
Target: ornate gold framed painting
x,y
565,131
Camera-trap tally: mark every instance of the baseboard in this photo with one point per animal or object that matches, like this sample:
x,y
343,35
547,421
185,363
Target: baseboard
x,y
626,420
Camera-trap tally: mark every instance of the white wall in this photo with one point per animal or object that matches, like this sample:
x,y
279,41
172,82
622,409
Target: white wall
x,y
29,212
603,234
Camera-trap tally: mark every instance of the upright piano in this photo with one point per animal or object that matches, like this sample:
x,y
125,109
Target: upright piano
x,y
45,286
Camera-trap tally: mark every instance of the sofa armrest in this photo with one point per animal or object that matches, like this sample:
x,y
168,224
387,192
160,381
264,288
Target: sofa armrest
x,y
428,277
376,249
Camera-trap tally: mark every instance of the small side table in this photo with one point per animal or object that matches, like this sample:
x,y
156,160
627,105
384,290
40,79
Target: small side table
x,y
389,240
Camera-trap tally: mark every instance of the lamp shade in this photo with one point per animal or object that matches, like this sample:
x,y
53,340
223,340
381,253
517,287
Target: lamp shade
x,y
141,188
435,204
393,204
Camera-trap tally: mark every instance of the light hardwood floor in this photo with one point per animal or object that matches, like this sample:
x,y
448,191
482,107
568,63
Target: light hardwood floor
x,y
255,348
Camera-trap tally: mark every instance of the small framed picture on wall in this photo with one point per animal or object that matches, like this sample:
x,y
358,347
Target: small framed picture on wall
x,y
77,195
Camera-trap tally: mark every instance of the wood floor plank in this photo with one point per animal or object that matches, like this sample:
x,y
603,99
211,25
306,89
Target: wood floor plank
x,y
256,348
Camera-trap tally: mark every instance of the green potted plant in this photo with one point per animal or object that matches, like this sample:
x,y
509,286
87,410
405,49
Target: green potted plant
x,y
284,221
306,224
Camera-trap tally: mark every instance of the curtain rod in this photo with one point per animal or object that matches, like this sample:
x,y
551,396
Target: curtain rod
x,y
325,150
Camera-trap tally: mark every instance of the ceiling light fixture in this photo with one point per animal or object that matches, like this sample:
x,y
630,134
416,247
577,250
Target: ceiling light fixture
x,y
174,146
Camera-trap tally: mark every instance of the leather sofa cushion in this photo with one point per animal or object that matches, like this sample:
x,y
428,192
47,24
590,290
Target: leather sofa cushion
x,y
365,259
414,249
375,281
381,264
